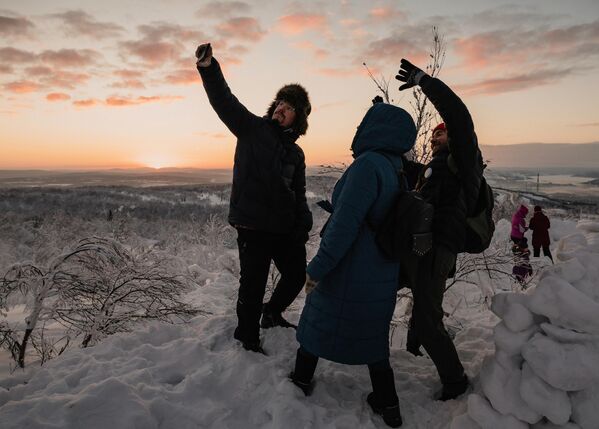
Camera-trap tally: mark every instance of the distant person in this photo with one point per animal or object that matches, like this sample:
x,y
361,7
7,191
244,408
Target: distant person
x,y
519,224
539,224
268,206
450,182
351,287
522,268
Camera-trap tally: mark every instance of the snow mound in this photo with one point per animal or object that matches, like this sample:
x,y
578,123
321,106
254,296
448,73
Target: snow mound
x,y
545,372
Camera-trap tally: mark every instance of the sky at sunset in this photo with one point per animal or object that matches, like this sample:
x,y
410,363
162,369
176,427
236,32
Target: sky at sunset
x,y
89,84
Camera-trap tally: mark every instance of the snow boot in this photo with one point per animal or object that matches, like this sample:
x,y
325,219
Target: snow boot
x,y
453,390
270,319
250,345
305,365
383,399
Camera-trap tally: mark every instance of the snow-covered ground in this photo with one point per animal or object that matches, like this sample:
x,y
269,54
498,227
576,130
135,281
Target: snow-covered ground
x,y
195,375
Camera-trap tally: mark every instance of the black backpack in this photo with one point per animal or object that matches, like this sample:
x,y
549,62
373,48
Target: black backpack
x,y
406,229
479,221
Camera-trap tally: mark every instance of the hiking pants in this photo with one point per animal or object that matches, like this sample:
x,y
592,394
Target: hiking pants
x,y
546,251
256,251
426,324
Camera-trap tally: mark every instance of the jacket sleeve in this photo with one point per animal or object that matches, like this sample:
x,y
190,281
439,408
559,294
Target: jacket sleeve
x,y
359,193
463,143
303,215
228,108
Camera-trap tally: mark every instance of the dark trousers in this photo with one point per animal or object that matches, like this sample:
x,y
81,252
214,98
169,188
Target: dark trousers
x,y
546,251
381,375
256,251
428,276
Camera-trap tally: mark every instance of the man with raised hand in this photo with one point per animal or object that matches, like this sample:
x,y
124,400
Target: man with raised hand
x,y
268,205
451,183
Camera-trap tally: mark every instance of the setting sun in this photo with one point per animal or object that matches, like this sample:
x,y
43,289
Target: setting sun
x,y
157,161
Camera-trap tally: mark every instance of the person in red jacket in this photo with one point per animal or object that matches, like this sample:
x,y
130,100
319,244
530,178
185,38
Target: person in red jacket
x,y
539,224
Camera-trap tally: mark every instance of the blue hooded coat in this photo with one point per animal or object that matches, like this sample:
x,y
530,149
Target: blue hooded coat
x,y
346,317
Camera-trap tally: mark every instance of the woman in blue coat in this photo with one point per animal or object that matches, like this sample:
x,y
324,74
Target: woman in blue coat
x,y
347,315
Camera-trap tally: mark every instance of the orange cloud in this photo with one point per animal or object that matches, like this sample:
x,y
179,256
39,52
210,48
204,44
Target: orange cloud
x,y
86,103
12,55
301,22
129,83
117,101
183,77
58,96
22,87
70,57
241,29
393,49
17,27
80,23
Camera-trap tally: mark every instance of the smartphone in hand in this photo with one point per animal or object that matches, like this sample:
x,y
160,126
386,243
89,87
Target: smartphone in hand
x,y
203,52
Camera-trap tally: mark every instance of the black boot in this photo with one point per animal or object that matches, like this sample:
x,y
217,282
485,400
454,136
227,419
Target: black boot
x,y
305,365
383,399
453,390
271,319
252,345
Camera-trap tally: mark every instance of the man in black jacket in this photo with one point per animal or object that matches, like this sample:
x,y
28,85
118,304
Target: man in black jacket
x,y
268,204
450,181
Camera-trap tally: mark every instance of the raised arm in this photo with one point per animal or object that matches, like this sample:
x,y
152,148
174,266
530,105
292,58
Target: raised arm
x,y
228,108
463,143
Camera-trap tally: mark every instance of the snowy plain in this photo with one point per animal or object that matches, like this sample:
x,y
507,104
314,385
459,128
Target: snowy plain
x,y
194,375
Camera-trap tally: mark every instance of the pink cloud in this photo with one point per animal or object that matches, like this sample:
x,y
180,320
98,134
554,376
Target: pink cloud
x,y
153,53
5,69
513,83
86,103
393,49
58,96
311,47
70,57
183,77
219,9
241,29
128,74
22,87
163,30
38,71
118,101
12,55
66,79
385,13
16,27
338,73
301,22
80,23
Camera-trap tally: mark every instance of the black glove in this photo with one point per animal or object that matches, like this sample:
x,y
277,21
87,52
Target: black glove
x,y
204,55
409,73
377,99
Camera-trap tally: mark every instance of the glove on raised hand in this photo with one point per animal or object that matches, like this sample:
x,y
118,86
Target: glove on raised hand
x,y
409,73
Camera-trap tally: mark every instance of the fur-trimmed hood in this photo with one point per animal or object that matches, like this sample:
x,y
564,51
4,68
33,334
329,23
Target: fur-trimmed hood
x,y
297,96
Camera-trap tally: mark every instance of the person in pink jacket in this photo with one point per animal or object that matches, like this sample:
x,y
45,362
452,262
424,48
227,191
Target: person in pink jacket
x,y
519,224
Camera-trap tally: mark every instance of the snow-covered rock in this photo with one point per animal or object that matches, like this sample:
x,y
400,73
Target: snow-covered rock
x,y
585,407
486,417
